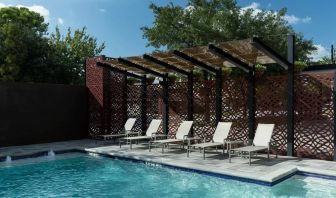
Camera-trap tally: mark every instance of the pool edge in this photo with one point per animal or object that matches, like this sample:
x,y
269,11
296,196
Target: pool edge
x,y
286,176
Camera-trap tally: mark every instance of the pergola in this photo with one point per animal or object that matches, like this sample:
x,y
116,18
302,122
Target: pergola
x,y
244,54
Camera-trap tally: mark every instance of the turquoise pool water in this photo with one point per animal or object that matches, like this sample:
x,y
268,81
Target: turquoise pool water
x,y
88,176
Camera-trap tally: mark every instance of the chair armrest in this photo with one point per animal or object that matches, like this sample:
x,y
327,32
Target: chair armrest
x,y
155,135
160,135
131,132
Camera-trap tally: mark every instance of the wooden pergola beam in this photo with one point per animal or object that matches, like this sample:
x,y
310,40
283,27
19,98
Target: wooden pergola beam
x,y
257,43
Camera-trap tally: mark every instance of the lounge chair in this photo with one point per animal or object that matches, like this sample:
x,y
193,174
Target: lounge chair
x,y
261,142
219,138
181,136
126,131
151,133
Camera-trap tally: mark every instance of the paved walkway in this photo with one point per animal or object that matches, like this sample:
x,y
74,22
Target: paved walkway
x,y
261,169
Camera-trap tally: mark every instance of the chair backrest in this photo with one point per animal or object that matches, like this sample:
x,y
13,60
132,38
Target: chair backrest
x,y
129,124
263,134
222,131
184,129
153,127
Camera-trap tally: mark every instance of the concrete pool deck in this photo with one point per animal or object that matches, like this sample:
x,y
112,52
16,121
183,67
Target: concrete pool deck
x,y
262,170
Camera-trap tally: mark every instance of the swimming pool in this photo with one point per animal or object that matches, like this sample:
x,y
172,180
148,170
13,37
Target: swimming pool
x,y
90,176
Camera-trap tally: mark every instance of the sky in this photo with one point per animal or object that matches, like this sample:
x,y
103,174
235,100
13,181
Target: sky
x,y
118,22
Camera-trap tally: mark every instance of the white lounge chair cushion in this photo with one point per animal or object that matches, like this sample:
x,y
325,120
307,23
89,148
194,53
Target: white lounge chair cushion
x,y
166,141
263,135
251,148
207,144
184,129
222,131
112,135
129,124
144,137
153,127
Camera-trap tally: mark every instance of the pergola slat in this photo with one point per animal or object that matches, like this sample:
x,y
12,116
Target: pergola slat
x,y
137,66
195,61
221,53
112,68
166,65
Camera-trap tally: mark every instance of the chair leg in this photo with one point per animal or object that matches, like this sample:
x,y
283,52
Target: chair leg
x,y
163,147
204,153
229,151
268,153
250,158
149,145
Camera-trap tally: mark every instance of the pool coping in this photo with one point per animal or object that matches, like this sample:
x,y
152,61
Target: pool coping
x,y
309,172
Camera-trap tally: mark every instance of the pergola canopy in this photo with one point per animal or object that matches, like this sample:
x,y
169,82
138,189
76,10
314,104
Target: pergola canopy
x,y
239,53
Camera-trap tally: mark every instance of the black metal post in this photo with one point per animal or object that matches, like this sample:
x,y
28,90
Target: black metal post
x,y
125,115
165,111
334,103
219,82
144,104
251,104
290,92
332,54
190,98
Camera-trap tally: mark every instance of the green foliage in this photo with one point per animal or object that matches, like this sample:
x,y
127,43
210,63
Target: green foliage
x,y
28,55
260,68
207,21
198,74
325,60
299,66
68,53
150,79
131,80
22,42
227,71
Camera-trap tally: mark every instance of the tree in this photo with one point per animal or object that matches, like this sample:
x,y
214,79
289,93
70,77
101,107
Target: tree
x,y
67,55
28,55
325,60
22,42
204,21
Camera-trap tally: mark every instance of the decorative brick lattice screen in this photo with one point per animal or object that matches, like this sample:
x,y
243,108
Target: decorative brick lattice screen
x,y
178,103
134,103
154,103
115,102
271,107
204,109
314,122
313,103
234,106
